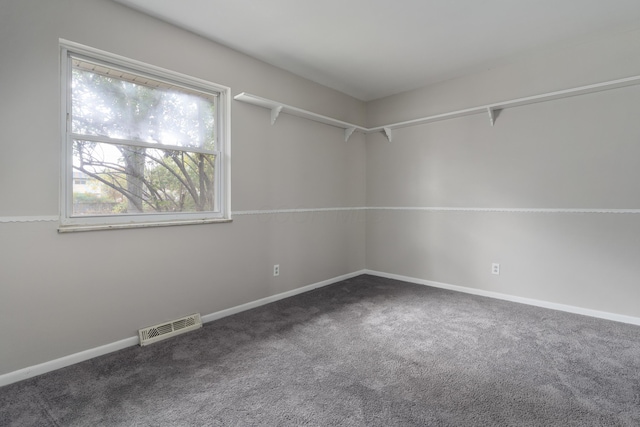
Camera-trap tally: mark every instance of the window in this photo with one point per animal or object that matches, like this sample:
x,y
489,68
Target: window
x,y
142,146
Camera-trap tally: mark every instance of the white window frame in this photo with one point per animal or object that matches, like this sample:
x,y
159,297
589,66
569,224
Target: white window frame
x,y
68,222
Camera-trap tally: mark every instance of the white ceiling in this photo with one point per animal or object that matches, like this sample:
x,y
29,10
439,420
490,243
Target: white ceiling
x,y
374,48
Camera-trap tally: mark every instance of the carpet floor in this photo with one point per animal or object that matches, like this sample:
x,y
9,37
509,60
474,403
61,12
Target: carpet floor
x,y
363,352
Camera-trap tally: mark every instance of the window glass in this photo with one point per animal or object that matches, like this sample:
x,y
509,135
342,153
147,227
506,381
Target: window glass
x,y
121,106
132,179
140,148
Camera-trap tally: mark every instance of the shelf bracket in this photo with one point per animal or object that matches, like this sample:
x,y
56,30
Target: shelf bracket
x,y
275,112
387,132
348,132
493,115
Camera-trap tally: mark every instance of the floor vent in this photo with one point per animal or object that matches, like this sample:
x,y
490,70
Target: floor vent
x,y
170,329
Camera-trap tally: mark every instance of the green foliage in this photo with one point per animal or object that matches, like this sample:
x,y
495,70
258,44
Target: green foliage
x,y
87,198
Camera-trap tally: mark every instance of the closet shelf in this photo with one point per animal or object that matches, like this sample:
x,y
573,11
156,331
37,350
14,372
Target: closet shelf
x,y
278,107
492,110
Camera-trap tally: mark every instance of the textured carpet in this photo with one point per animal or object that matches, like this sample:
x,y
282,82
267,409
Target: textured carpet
x,y
363,352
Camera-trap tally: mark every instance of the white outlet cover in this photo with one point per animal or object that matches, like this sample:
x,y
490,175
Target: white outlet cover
x,y
495,268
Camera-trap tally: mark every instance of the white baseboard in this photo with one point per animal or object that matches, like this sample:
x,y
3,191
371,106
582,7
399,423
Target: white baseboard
x,y
32,371
497,295
248,306
52,365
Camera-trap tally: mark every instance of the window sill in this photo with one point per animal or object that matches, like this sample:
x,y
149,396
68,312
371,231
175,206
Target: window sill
x,y
99,227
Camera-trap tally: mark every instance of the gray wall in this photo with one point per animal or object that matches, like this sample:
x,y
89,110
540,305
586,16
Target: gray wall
x,y
64,293
579,152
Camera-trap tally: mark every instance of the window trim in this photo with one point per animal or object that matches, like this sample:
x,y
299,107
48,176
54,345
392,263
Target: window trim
x,y
68,223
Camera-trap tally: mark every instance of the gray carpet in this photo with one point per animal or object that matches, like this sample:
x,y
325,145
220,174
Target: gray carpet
x,y
363,352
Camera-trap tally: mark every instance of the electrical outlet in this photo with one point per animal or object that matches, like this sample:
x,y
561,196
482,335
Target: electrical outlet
x,y
495,269
276,270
